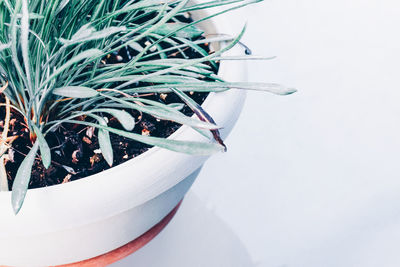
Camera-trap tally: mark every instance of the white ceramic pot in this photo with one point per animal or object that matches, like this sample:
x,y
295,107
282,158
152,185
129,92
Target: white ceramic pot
x,y
82,219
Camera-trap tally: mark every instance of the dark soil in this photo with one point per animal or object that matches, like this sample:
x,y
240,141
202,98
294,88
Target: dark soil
x,y
75,150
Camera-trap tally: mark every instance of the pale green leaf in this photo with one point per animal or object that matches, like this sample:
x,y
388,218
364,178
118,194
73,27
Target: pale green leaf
x,y
88,33
157,79
62,5
165,113
105,146
188,147
188,32
135,46
91,53
105,142
25,42
177,106
126,119
4,46
44,147
21,182
75,92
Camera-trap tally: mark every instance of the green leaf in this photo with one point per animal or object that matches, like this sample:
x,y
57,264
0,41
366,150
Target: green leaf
x,y
4,46
105,142
216,87
136,46
21,182
137,6
31,15
62,5
200,113
25,42
91,53
126,120
157,79
164,113
88,33
188,32
177,106
188,147
44,147
75,92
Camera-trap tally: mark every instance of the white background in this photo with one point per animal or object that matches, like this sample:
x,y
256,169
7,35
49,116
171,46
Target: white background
x,y
311,179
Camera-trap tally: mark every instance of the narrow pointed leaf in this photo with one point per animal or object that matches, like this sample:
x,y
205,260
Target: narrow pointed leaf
x,y
25,42
105,142
165,113
126,119
136,46
200,113
4,46
177,106
21,182
216,87
87,33
157,79
188,32
91,53
188,147
44,147
62,5
75,92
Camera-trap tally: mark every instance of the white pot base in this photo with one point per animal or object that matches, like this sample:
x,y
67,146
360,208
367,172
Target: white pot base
x,y
126,250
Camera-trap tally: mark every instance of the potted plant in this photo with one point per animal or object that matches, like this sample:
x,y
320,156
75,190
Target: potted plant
x,y
84,85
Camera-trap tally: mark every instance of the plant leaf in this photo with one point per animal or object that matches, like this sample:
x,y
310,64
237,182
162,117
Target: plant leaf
x,y
25,42
200,113
216,87
136,46
177,106
75,92
88,33
165,113
188,32
62,5
44,147
188,147
156,79
126,120
4,46
21,182
105,142
90,53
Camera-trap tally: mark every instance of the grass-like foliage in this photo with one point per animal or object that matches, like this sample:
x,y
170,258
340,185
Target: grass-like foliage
x,y
54,71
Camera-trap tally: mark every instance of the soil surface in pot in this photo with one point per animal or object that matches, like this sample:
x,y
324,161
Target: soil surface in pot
x,y
75,149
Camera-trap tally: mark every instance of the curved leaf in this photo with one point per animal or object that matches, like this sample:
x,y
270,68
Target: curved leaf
x,y
104,140
165,113
126,120
21,182
44,147
188,147
200,113
105,144
87,54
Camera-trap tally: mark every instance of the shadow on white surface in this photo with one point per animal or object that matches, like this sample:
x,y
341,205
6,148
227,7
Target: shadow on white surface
x,y
196,236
